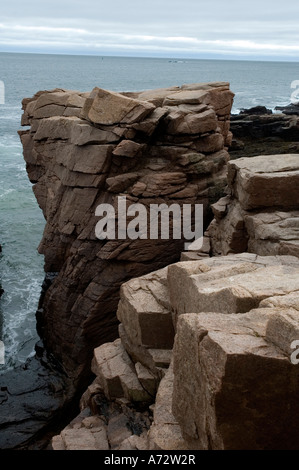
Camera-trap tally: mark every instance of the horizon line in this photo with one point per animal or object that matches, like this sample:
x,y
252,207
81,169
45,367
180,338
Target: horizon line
x,y
125,56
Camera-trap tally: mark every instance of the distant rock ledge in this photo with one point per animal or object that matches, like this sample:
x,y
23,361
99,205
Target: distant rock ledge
x,y
259,131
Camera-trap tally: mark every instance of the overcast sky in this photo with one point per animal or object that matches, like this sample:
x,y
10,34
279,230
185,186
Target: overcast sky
x,y
253,29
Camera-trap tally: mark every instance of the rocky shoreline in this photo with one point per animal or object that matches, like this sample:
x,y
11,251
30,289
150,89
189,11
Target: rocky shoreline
x,y
259,131
172,146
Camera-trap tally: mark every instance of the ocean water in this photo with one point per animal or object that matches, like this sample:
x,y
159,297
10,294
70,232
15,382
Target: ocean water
x,y
21,220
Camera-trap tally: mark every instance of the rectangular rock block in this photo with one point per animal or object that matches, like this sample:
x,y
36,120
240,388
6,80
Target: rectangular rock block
x,y
233,389
265,182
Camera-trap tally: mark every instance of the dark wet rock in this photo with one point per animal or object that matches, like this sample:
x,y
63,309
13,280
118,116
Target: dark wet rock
x,y
258,110
292,108
258,131
32,398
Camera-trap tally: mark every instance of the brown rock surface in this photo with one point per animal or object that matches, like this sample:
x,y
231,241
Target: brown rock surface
x,y
115,426
165,432
233,378
116,373
83,433
106,108
233,319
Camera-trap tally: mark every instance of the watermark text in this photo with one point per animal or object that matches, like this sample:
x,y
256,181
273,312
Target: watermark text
x,y
295,354
154,222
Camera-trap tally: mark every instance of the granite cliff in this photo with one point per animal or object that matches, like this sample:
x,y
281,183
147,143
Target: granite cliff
x,y
189,350
84,149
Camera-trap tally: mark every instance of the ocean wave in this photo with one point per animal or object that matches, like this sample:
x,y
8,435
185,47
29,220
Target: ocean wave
x,y
11,117
235,110
9,144
6,192
19,332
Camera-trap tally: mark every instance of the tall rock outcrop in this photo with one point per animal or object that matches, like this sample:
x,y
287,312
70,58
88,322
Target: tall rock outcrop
x,y
85,149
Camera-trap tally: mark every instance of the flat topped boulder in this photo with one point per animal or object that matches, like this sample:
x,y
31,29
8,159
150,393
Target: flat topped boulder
x,y
267,164
265,181
156,96
179,95
235,286
205,86
108,108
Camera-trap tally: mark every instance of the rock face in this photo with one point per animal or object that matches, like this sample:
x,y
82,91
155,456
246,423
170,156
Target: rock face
x,y
230,383
85,149
210,340
114,427
260,214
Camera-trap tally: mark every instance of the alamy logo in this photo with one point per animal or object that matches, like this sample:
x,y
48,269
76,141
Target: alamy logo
x,y
137,221
295,93
295,354
2,353
2,92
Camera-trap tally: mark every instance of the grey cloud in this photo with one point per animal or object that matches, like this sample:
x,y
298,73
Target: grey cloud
x,y
169,27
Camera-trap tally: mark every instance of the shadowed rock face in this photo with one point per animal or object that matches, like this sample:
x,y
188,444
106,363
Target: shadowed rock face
x,y
84,149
